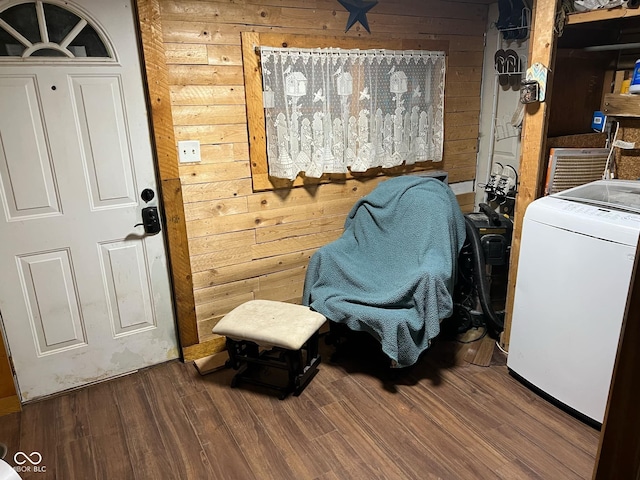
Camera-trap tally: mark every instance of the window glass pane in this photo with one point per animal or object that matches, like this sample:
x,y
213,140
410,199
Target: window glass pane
x,y
47,52
24,19
90,40
59,22
9,46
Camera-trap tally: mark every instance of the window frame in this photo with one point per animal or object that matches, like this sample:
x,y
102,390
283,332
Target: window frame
x,y
29,50
251,41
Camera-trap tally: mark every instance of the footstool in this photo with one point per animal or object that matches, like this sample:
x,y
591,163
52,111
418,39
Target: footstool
x,y
265,335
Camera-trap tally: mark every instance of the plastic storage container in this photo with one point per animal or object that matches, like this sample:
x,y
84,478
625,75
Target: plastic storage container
x,y
635,79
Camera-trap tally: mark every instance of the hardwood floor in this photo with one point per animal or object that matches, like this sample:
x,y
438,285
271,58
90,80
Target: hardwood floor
x,y
443,418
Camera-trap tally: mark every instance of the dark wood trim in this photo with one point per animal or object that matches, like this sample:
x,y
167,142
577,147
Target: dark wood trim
x,y
534,133
159,104
619,450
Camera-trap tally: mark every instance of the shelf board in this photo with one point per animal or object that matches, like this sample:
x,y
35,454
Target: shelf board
x,y
621,105
602,14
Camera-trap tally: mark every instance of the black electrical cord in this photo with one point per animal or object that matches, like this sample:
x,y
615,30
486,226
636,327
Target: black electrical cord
x,y
496,323
484,334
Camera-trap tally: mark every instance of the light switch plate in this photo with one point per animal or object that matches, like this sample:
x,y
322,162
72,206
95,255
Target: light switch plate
x,y
189,151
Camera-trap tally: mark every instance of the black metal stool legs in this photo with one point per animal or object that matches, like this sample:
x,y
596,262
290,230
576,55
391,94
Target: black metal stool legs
x,y
301,365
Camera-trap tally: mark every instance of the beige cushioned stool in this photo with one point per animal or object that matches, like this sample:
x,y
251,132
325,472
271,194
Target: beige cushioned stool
x,y
289,331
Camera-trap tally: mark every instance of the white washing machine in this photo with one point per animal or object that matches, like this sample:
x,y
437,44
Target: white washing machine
x,y
576,257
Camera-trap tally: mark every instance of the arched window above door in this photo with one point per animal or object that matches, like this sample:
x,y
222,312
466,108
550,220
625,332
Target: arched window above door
x,y
47,29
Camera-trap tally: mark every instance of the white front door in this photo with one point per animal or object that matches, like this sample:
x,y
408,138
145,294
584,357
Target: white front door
x,y
84,293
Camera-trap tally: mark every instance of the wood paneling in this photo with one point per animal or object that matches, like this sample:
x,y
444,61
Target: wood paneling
x,y
154,59
246,244
329,18
204,75
213,134
209,115
207,95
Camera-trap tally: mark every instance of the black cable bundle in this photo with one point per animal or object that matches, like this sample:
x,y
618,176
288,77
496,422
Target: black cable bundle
x,y
495,320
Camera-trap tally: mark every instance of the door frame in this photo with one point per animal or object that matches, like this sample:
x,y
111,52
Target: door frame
x,y
156,80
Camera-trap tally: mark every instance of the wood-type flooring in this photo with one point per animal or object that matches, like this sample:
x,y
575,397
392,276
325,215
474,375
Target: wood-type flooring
x,y
442,418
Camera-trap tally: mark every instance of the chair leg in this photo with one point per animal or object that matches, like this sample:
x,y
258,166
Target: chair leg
x,y
312,346
239,349
233,348
308,369
301,367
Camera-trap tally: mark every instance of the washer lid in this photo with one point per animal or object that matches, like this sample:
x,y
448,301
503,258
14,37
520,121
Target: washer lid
x,y
616,194
595,221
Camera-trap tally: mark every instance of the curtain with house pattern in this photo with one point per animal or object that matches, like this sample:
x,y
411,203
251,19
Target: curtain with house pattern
x,y
333,110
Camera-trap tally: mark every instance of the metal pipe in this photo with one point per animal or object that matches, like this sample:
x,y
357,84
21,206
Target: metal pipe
x,y
494,112
614,46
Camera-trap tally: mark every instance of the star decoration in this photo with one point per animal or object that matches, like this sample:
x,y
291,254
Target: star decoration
x,y
358,12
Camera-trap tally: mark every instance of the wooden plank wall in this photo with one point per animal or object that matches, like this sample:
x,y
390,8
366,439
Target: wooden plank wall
x,y
246,245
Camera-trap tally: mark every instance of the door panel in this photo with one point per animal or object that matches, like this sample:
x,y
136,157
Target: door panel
x,y
28,186
99,105
129,290
52,300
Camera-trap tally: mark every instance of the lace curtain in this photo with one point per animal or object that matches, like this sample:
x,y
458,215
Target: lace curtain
x,y
329,110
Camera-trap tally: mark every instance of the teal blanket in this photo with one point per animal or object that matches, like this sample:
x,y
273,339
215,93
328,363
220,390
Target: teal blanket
x,y
392,271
